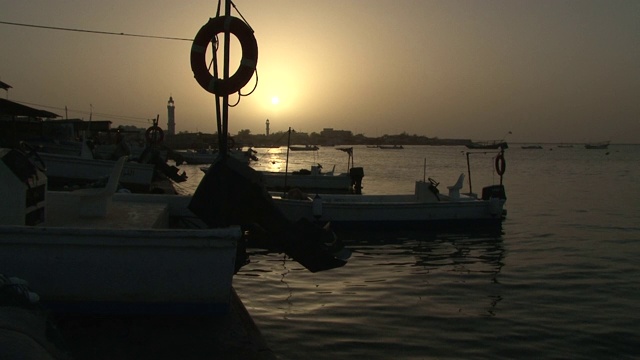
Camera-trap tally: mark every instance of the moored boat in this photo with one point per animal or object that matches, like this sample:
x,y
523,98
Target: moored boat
x,y
426,208
93,251
597,145
495,144
304,148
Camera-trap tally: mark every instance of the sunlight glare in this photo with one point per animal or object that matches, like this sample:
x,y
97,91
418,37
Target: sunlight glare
x,y
275,100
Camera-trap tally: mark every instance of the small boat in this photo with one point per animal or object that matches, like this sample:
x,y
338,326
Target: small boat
x,y
532,147
597,145
495,144
317,181
304,148
207,156
391,147
69,169
426,208
95,251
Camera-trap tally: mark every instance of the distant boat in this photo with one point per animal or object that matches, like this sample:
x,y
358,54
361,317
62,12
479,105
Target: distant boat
x,y
532,147
304,148
395,147
495,144
598,145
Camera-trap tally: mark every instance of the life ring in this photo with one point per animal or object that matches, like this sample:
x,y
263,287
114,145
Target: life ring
x,y
154,135
501,164
245,71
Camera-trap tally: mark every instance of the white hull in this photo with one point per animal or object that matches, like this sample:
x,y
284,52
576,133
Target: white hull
x,y
325,182
70,168
126,262
392,211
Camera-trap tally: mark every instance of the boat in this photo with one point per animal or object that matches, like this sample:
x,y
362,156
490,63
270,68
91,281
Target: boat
x,y
391,147
304,148
597,145
426,208
316,180
207,156
97,251
490,145
532,147
62,170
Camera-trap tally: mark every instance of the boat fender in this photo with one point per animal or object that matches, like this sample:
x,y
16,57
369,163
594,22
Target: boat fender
x,y
154,135
207,33
501,164
316,207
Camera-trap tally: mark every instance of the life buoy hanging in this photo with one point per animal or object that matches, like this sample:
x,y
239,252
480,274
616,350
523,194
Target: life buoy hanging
x,y
501,164
245,71
154,135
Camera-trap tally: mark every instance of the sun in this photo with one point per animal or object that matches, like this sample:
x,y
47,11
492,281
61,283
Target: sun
x,y
275,100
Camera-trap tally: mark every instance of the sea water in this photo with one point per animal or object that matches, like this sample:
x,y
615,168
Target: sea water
x,y
559,280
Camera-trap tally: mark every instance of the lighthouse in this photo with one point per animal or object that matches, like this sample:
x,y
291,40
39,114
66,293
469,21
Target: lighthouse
x,y
267,123
171,124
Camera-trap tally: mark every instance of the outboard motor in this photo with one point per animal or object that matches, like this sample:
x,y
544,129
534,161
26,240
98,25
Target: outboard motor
x,y
356,174
231,193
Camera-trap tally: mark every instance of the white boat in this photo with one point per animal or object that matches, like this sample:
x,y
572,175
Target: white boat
x,y
62,169
93,251
207,156
424,209
315,180
597,145
304,148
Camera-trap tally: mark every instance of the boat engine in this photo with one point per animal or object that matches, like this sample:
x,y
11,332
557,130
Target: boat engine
x,y
356,173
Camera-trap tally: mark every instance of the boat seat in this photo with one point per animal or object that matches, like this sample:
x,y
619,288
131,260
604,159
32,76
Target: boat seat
x,y
96,202
454,190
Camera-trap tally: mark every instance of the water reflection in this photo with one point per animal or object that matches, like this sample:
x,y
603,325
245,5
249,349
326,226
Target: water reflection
x,y
435,272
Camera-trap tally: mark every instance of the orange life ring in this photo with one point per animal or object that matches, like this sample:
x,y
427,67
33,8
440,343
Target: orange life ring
x,y
248,63
154,135
501,164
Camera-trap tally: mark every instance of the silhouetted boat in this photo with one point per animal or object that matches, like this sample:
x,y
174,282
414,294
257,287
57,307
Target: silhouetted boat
x,y
495,144
598,145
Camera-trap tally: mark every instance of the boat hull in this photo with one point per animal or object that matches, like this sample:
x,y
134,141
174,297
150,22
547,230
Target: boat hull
x,y
123,271
62,169
340,183
392,211
134,260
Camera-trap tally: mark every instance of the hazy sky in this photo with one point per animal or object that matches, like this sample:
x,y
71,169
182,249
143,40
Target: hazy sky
x,y
547,70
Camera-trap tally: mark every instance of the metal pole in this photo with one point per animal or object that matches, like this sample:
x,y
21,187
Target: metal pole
x,y
225,99
286,167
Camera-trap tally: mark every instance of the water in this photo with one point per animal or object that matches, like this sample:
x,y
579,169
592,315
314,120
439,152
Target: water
x,y
560,280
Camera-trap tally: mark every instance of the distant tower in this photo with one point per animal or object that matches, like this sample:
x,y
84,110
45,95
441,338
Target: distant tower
x,y
171,110
267,127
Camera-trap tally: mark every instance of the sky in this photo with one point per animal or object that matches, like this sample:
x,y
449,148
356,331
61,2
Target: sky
x,y
544,70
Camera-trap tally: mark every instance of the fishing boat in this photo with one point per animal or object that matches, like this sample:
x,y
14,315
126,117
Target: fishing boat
x,y
304,148
95,251
68,169
426,208
597,145
490,145
207,156
316,180
532,147
391,147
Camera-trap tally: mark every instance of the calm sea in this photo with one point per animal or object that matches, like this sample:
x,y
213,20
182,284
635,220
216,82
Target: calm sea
x,y
560,280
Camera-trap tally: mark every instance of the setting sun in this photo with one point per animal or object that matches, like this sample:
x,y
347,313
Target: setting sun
x,y
275,100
